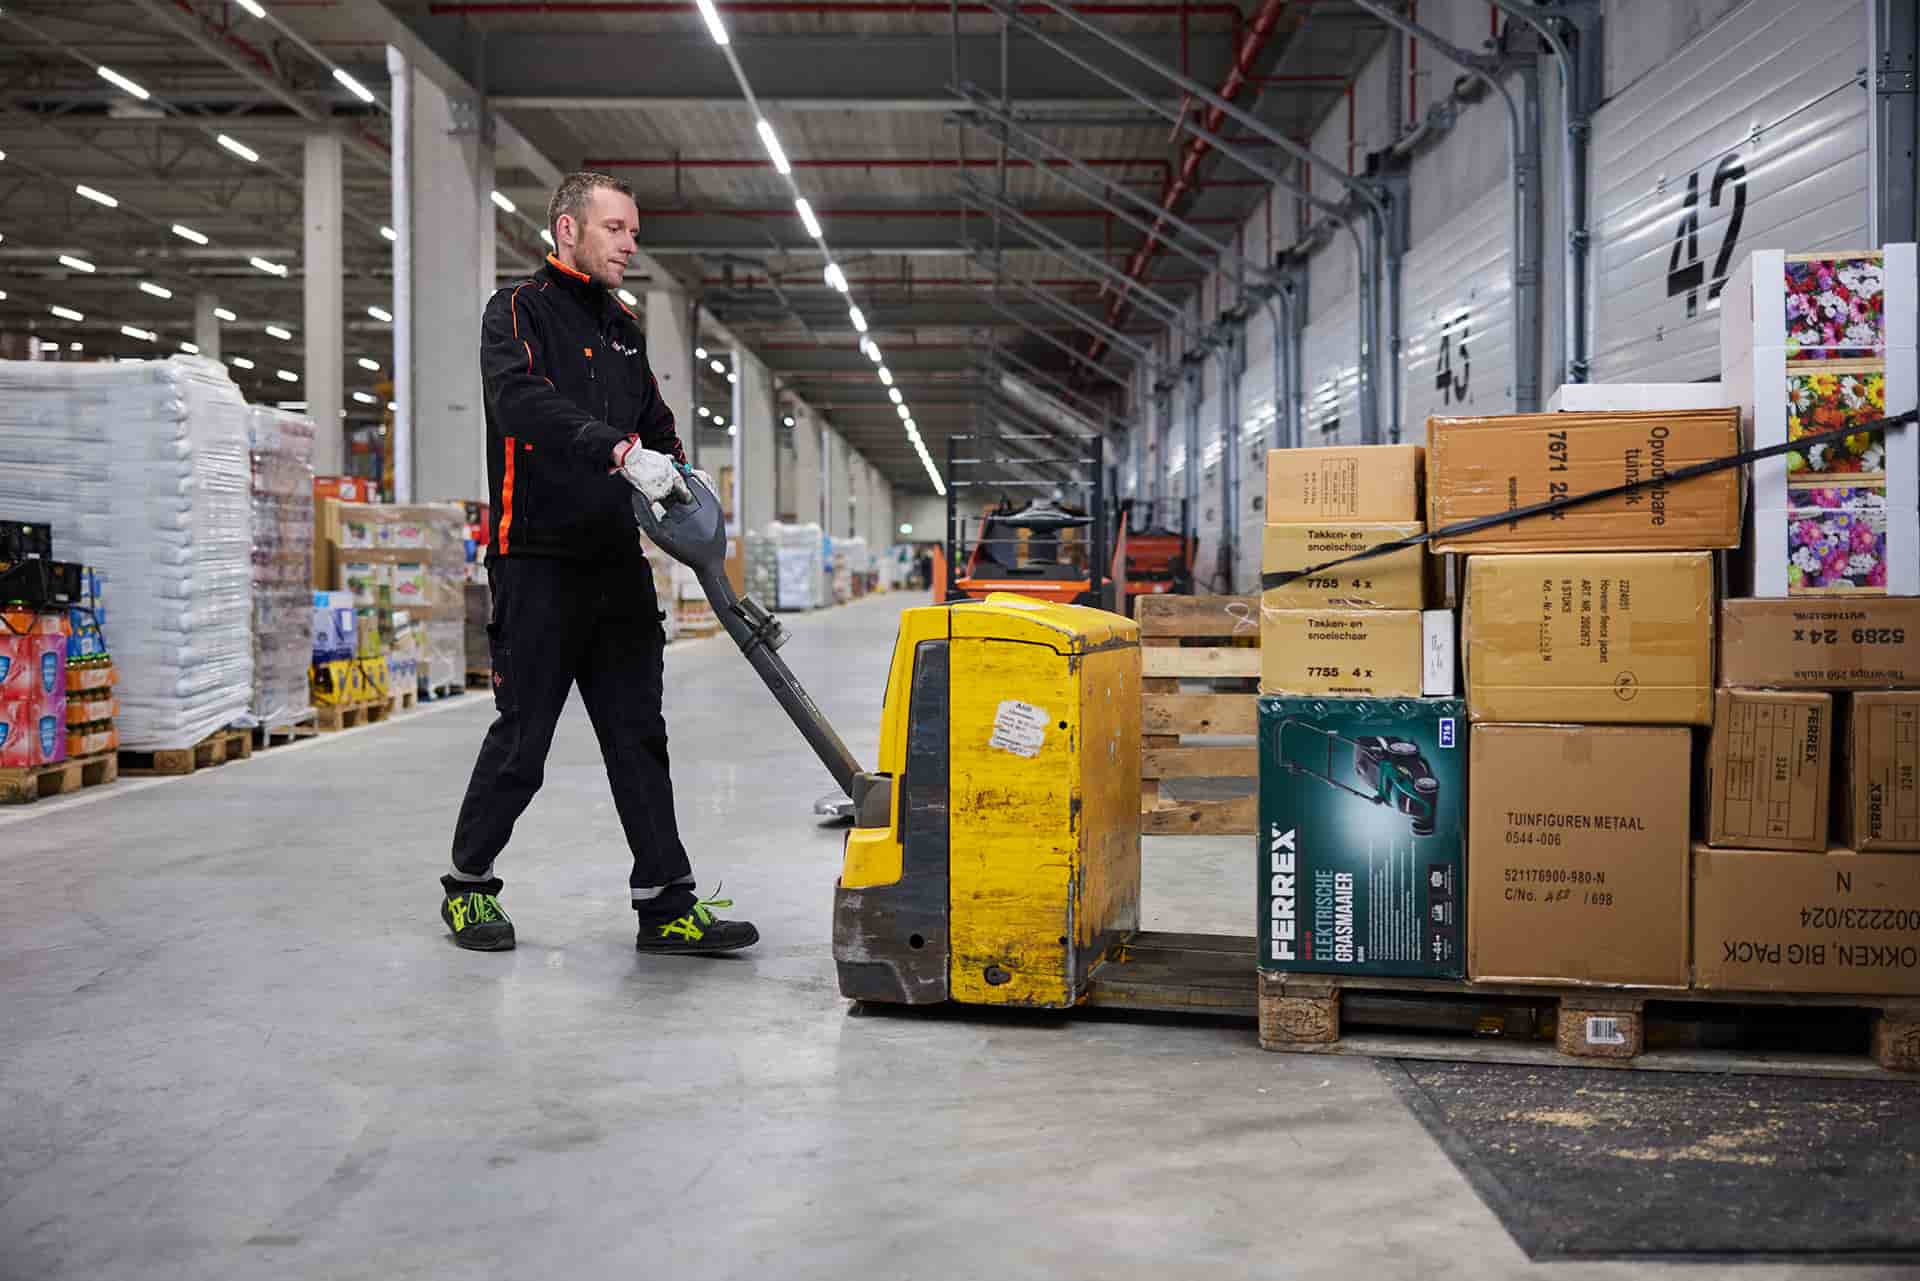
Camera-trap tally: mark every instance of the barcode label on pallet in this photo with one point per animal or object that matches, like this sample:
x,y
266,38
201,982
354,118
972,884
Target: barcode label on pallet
x,y
1605,1032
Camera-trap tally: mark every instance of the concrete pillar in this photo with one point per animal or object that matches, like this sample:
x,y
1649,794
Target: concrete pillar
x,y
324,284
753,441
206,325
805,500
670,343
443,274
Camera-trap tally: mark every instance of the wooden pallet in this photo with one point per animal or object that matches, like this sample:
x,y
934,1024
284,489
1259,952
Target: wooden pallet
x,y
404,701
23,786
1658,1029
332,718
216,748
1186,639
479,678
265,736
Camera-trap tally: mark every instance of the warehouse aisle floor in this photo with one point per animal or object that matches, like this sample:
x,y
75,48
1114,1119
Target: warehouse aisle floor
x,y
238,1043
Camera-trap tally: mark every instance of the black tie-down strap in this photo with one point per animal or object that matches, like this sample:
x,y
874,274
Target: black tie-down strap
x,y
1282,578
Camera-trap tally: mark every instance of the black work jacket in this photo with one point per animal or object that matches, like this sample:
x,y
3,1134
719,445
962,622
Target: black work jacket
x,y
564,365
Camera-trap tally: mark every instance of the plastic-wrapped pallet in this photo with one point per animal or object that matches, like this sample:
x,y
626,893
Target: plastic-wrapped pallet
x,y
762,568
799,568
282,453
142,469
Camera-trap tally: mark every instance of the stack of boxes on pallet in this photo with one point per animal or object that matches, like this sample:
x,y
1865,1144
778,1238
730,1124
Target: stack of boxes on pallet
x,y
405,567
56,676
1631,821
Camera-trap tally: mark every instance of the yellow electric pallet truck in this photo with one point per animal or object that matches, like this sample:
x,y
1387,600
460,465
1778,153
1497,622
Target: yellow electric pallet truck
x,y
995,853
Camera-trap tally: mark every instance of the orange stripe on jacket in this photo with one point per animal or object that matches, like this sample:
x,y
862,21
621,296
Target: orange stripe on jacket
x,y
506,498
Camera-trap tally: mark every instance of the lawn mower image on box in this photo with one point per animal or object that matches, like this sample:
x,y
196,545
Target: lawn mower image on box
x,y
1392,769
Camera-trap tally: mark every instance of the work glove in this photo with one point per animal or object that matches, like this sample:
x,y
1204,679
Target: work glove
x,y
653,474
708,481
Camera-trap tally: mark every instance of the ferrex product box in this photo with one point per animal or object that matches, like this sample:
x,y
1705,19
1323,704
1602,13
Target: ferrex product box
x,y
1839,922
1858,643
1362,861
1351,482
1880,775
1590,638
1484,466
1376,653
1393,581
1769,770
1579,836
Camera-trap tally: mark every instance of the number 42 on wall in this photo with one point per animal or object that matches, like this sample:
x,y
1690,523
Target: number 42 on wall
x,y
1685,271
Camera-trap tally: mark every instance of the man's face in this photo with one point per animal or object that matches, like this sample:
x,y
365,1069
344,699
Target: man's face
x,y
606,237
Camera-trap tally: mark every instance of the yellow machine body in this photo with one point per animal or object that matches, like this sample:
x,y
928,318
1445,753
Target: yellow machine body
x,y
1009,866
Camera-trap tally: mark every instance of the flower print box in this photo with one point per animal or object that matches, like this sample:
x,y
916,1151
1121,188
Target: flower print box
x,y
1790,400
1836,540
1834,305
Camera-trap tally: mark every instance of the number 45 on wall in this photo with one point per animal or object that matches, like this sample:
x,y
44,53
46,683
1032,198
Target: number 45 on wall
x,y
1685,271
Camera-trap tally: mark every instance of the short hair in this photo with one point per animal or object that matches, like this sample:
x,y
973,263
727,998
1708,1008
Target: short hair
x,y
571,196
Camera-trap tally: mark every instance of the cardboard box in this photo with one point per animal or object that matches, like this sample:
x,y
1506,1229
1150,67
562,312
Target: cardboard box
x,y
1839,922
1585,398
1354,482
1579,836
333,627
1393,581
412,587
369,584
1483,466
1855,643
1880,771
1590,639
1361,857
1834,305
1769,770
1364,653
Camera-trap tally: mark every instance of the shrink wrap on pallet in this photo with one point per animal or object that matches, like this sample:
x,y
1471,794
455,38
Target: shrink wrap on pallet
x,y
142,469
281,448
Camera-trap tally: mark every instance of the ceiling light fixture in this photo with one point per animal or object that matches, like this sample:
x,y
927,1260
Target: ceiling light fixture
x,y
788,420
872,349
188,233
145,335
353,86
506,206
859,319
66,313
96,195
381,314
275,331
836,277
548,237
113,77
76,264
157,291
715,27
703,411
718,421
241,362
239,149
369,364
390,234
886,377
699,353
627,297
772,144
717,367
365,399
223,314
893,394
286,375
253,7
807,220
271,268
191,348
903,411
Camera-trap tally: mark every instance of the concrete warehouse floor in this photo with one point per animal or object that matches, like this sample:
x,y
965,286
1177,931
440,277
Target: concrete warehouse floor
x,y
238,1043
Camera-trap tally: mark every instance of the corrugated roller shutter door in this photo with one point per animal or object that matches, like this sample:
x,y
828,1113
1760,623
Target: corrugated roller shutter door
x,y
1331,376
1456,350
1754,136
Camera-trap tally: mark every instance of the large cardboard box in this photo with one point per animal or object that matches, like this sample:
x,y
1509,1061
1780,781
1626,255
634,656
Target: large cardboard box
x,y
1839,922
1590,639
1363,653
1769,770
1483,466
1394,581
1354,482
1880,773
1579,836
1858,643
1361,851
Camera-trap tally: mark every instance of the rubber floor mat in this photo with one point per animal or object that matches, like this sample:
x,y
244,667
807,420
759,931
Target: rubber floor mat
x,y
1585,1163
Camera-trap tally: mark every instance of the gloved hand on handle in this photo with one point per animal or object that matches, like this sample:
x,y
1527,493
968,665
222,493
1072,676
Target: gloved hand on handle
x,y
652,473
707,480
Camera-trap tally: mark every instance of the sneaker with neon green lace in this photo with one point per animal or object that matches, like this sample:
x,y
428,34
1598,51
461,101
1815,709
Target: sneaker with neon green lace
x,y
472,911
698,933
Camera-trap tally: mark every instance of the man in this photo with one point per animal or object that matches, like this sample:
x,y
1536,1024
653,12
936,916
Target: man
x,y
576,424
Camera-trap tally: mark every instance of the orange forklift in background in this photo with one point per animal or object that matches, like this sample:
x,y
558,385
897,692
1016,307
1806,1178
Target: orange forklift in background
x,y
1028,514
1156,549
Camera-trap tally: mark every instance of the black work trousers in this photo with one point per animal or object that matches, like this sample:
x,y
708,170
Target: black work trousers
x,y
554,624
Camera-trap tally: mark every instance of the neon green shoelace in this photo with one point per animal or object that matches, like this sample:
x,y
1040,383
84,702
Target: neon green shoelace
x,y
693,925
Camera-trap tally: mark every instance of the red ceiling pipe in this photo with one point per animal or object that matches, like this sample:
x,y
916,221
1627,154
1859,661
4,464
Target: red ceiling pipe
x,y
1258,32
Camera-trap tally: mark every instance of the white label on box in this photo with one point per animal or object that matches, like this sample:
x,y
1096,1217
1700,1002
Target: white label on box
x,y
1020,728
1605,1032
1437,654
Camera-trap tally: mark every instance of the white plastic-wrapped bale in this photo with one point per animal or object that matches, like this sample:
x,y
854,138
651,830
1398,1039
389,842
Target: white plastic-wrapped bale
x,y
142,469
282,454
800,572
